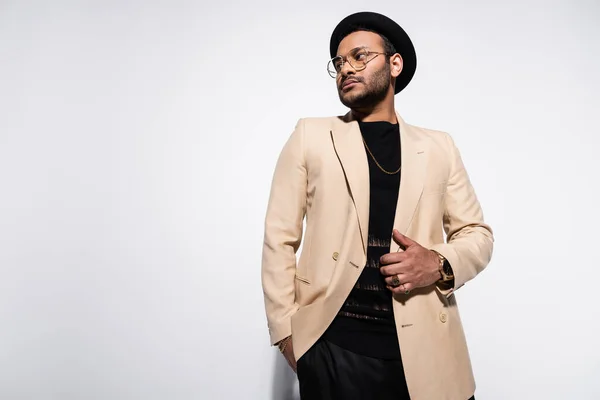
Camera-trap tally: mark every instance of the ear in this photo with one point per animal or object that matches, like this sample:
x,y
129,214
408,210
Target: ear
x,y
396,65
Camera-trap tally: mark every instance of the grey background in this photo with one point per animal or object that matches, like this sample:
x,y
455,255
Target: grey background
x,y
137,144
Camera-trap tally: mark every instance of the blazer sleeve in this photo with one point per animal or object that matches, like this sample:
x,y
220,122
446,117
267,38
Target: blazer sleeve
x,y
283,234
469,240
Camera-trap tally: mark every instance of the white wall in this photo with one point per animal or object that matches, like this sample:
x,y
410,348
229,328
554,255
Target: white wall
x,y
137,143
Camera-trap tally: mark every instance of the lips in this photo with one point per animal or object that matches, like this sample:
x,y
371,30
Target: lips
x,y
349,83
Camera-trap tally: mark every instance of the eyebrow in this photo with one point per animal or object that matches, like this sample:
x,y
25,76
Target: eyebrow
x,y
354,49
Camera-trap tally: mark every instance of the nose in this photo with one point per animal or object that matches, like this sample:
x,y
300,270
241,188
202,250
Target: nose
x,y
347,69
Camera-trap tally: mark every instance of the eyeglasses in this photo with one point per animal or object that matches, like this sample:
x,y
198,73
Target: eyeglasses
x,y
357,58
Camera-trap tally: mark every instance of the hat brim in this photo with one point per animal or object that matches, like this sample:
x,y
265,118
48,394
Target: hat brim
x,y
386,27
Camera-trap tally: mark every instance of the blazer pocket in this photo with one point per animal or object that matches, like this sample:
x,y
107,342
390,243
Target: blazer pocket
x,y
303,280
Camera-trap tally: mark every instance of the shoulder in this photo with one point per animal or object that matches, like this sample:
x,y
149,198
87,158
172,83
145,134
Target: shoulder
x,y
430,134
318,123
315,131
436,138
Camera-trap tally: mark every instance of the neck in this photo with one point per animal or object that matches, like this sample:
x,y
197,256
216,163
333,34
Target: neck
x,y
384,111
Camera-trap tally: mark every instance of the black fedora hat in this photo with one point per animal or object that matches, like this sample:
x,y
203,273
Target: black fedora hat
x,y
386,27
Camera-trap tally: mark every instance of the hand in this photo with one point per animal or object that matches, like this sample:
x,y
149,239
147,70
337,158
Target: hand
x,y
416,266
288,353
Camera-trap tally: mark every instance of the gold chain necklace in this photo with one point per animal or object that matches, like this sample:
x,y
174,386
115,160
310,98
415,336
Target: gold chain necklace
x,y
380,167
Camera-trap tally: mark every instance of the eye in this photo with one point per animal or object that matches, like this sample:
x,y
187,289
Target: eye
x,y
361,56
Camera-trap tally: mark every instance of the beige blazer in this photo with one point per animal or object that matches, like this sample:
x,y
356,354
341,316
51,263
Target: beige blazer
x,y
322,175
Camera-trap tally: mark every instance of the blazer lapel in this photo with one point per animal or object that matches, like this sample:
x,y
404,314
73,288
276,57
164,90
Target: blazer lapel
x,y
348,144
414,157
347,141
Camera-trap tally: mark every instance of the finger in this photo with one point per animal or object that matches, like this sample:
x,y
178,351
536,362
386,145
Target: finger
x,y
402,289
395,269
292,366
291,362
390,280
391,270
391,258
403,241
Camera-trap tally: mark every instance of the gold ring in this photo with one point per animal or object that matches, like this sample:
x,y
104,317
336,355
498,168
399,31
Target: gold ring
x,y
395,281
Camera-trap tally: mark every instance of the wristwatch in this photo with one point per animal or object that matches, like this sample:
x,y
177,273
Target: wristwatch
x,y
445,268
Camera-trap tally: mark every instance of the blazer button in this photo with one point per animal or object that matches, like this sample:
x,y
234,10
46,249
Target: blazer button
x,y
335,255
443,317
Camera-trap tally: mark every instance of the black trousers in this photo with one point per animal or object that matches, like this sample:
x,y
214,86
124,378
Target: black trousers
x,y
329,372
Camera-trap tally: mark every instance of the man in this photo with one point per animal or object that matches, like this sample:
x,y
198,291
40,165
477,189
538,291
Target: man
x,y
368,311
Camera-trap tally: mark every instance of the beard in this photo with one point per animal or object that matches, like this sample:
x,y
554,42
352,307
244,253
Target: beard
x,y
373,94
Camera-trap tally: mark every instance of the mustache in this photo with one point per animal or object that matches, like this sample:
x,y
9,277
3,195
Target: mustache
x,y
351,78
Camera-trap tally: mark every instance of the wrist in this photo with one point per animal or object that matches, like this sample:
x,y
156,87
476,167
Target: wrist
x,y
282,344
444,268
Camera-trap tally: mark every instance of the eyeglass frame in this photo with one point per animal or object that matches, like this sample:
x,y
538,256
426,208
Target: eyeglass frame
x,y
345,60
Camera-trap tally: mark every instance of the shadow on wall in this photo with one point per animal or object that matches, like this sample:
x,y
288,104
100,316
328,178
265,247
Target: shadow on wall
x,y
285,382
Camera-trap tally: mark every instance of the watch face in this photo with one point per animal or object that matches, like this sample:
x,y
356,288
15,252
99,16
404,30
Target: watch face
x,y
447,268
